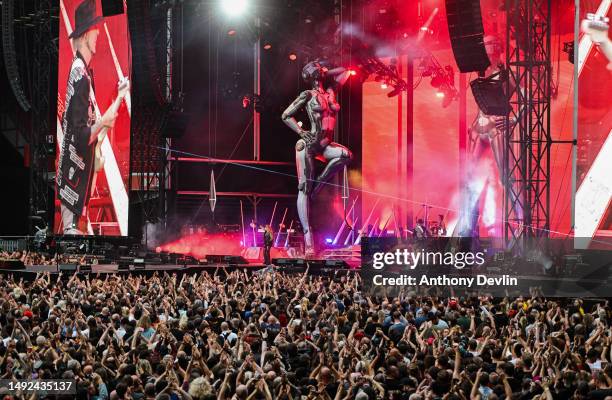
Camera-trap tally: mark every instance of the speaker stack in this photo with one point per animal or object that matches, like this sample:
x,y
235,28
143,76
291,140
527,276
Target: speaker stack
x,y
467,35
112,7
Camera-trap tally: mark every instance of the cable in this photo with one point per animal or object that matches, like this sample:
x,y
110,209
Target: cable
x,y
224,166
378,194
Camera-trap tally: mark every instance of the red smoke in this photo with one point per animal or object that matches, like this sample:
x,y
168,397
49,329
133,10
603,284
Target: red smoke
x,y
199,245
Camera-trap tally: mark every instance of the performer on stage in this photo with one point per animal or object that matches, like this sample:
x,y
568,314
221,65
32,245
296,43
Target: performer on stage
x,y
420,230
77,159
268,241
322,108
441,225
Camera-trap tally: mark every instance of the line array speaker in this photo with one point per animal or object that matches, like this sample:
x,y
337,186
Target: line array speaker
x,y
467,35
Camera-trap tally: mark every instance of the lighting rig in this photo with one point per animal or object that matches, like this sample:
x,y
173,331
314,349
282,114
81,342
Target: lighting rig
x,y
442,78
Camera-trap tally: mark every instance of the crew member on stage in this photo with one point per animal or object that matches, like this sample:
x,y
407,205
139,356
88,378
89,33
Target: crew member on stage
x,y
441,225
322,108
268,242
420,230
75,168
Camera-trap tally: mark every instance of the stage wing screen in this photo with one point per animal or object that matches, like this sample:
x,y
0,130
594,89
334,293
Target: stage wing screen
x,y
92,166
593,208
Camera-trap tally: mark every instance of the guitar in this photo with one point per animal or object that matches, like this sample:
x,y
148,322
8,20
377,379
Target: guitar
x,y
597,26
123,86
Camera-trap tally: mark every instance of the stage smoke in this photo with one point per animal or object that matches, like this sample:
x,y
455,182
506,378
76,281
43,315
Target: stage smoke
x,y
201,244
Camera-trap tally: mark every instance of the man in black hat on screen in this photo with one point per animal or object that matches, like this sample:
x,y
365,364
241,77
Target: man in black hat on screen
x,y
75,169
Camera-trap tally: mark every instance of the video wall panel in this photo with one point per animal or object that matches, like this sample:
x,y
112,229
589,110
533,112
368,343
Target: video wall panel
x,y
93,121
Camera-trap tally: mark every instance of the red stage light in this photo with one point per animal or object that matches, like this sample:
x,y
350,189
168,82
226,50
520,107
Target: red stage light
x,y
424,28
292,57
383,86
353,72
440,95
267,46
231,32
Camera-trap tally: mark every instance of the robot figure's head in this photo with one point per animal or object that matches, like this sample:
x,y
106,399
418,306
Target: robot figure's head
x,y
313,71
494,48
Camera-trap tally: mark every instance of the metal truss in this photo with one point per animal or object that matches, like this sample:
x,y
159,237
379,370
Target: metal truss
x,y
528,142
38,26
153,37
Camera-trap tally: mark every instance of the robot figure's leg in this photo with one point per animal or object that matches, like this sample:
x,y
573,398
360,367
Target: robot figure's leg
x,y
467,226
337,157
497,149
305,169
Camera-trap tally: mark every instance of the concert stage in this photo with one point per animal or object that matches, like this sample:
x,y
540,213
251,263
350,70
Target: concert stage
x,y
420,127
315,267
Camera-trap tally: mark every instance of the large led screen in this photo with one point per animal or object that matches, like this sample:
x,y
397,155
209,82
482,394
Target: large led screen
x,y
93,121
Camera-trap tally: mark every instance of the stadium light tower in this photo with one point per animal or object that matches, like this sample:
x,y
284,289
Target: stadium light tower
x,y
234,8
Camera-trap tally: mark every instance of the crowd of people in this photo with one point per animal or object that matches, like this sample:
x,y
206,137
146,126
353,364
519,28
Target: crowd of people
x,y
29,258
270,335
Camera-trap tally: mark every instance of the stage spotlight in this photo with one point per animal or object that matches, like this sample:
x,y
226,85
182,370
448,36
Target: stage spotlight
x,y
383,86
329,240
352,72
396,91
440,95
231,32
234,8
449,96
438,80
267,46
292,56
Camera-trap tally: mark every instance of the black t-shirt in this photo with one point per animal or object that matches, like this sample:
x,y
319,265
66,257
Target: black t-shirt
x,y
371,327
331,389
501,320
515,384
440,388
563,393
600,394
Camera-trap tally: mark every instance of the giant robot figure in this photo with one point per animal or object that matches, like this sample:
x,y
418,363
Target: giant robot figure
x,y
322,108
486,132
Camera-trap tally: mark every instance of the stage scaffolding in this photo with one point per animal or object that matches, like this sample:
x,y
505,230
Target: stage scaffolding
x,y
528,141
36,26
153,51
